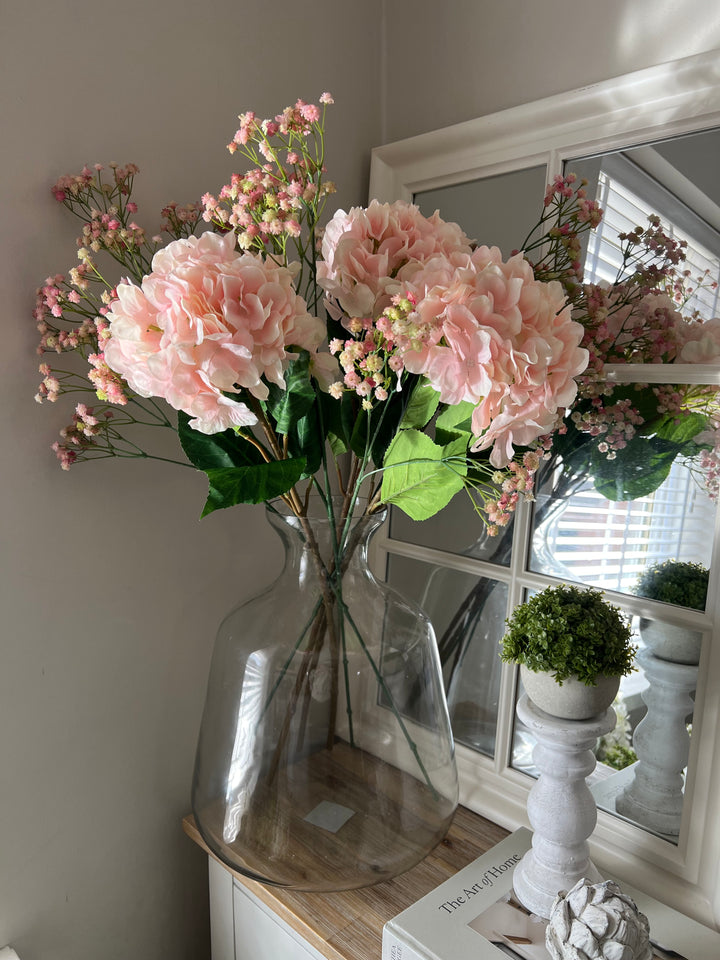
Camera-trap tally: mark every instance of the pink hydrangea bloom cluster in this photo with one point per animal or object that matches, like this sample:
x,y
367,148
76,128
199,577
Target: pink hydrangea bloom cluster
x,y
481,330
70,309
206,323
698,341
369,253
503,341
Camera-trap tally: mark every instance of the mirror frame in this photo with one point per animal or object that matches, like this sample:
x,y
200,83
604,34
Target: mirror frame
x,y
670,100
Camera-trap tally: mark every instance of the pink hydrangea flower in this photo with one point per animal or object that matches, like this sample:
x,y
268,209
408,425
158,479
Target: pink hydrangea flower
x,y
366,250
488,332
700,341
206,322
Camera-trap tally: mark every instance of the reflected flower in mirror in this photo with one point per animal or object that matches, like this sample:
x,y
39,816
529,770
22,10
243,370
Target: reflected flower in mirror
x,y
627,436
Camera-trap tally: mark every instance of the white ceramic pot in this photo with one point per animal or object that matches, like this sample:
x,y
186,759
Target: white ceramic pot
x,y
573,700
670,642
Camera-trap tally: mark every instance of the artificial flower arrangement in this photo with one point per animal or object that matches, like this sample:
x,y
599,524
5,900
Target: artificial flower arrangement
x,y
223,327
439,366
376,357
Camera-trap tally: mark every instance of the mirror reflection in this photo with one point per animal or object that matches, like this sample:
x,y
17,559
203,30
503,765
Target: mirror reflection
x,y
642,764
588,526
468,635
580,536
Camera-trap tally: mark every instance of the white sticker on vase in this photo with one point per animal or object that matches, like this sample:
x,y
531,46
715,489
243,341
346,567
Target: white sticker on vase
x,y
329,816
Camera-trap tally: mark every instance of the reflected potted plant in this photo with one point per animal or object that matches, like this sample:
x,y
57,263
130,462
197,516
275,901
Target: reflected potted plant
x,y
573,647
684,584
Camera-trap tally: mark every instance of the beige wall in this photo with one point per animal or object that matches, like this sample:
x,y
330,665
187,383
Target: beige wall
x,y
109,586
458,59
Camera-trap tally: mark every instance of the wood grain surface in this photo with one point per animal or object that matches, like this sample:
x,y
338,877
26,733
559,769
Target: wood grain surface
x,y
348,925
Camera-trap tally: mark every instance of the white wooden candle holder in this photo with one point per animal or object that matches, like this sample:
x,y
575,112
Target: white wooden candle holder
x,y
654,797
561,809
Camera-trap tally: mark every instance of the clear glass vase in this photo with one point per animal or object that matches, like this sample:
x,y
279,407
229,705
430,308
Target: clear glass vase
x,y
309,773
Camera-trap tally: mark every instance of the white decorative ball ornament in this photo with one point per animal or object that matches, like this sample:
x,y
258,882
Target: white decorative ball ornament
x,y
597,921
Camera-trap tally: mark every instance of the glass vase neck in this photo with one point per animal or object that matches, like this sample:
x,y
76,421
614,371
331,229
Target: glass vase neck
x,y
328,532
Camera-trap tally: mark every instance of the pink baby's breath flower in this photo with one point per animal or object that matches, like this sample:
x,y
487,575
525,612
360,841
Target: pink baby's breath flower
x,y
310,112
65,456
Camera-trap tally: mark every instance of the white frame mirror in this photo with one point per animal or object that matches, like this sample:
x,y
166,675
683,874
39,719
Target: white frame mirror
x,y
674,99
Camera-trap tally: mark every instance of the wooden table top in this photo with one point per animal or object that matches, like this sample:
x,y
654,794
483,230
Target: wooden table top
x,y
348,925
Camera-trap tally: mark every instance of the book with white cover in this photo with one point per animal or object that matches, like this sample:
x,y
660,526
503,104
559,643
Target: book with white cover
x,y
474,916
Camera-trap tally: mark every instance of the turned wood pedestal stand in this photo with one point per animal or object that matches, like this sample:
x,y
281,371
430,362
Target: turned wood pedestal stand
x,y
560,807
655,796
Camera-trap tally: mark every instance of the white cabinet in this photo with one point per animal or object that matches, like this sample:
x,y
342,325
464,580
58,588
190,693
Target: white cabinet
x,y
244,928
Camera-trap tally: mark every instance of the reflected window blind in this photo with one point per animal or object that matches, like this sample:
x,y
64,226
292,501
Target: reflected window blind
x,y
608,545
623,209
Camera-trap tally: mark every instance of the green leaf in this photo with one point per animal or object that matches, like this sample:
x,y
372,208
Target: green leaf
x,y
644,464
421,408
230,486
637,470
385,419
417,478
287,405
455,421
682,429
305,440
339,419
217,450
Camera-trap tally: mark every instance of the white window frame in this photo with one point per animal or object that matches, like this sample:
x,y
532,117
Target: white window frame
x,y
670,100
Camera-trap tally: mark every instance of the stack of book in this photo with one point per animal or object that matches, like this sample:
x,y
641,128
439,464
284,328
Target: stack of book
x,y
475,916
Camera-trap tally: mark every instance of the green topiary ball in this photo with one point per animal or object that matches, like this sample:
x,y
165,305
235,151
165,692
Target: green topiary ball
x,y
570,631
675,581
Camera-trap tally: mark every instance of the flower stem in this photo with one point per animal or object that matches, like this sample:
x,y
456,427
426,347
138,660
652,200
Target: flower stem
x,y
386,690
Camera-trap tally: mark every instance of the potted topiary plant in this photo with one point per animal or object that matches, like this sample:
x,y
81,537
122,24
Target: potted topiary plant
x,y
675,581
685,584
573,647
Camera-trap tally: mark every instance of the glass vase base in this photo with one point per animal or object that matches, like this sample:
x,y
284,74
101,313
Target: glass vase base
x,y
336,820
